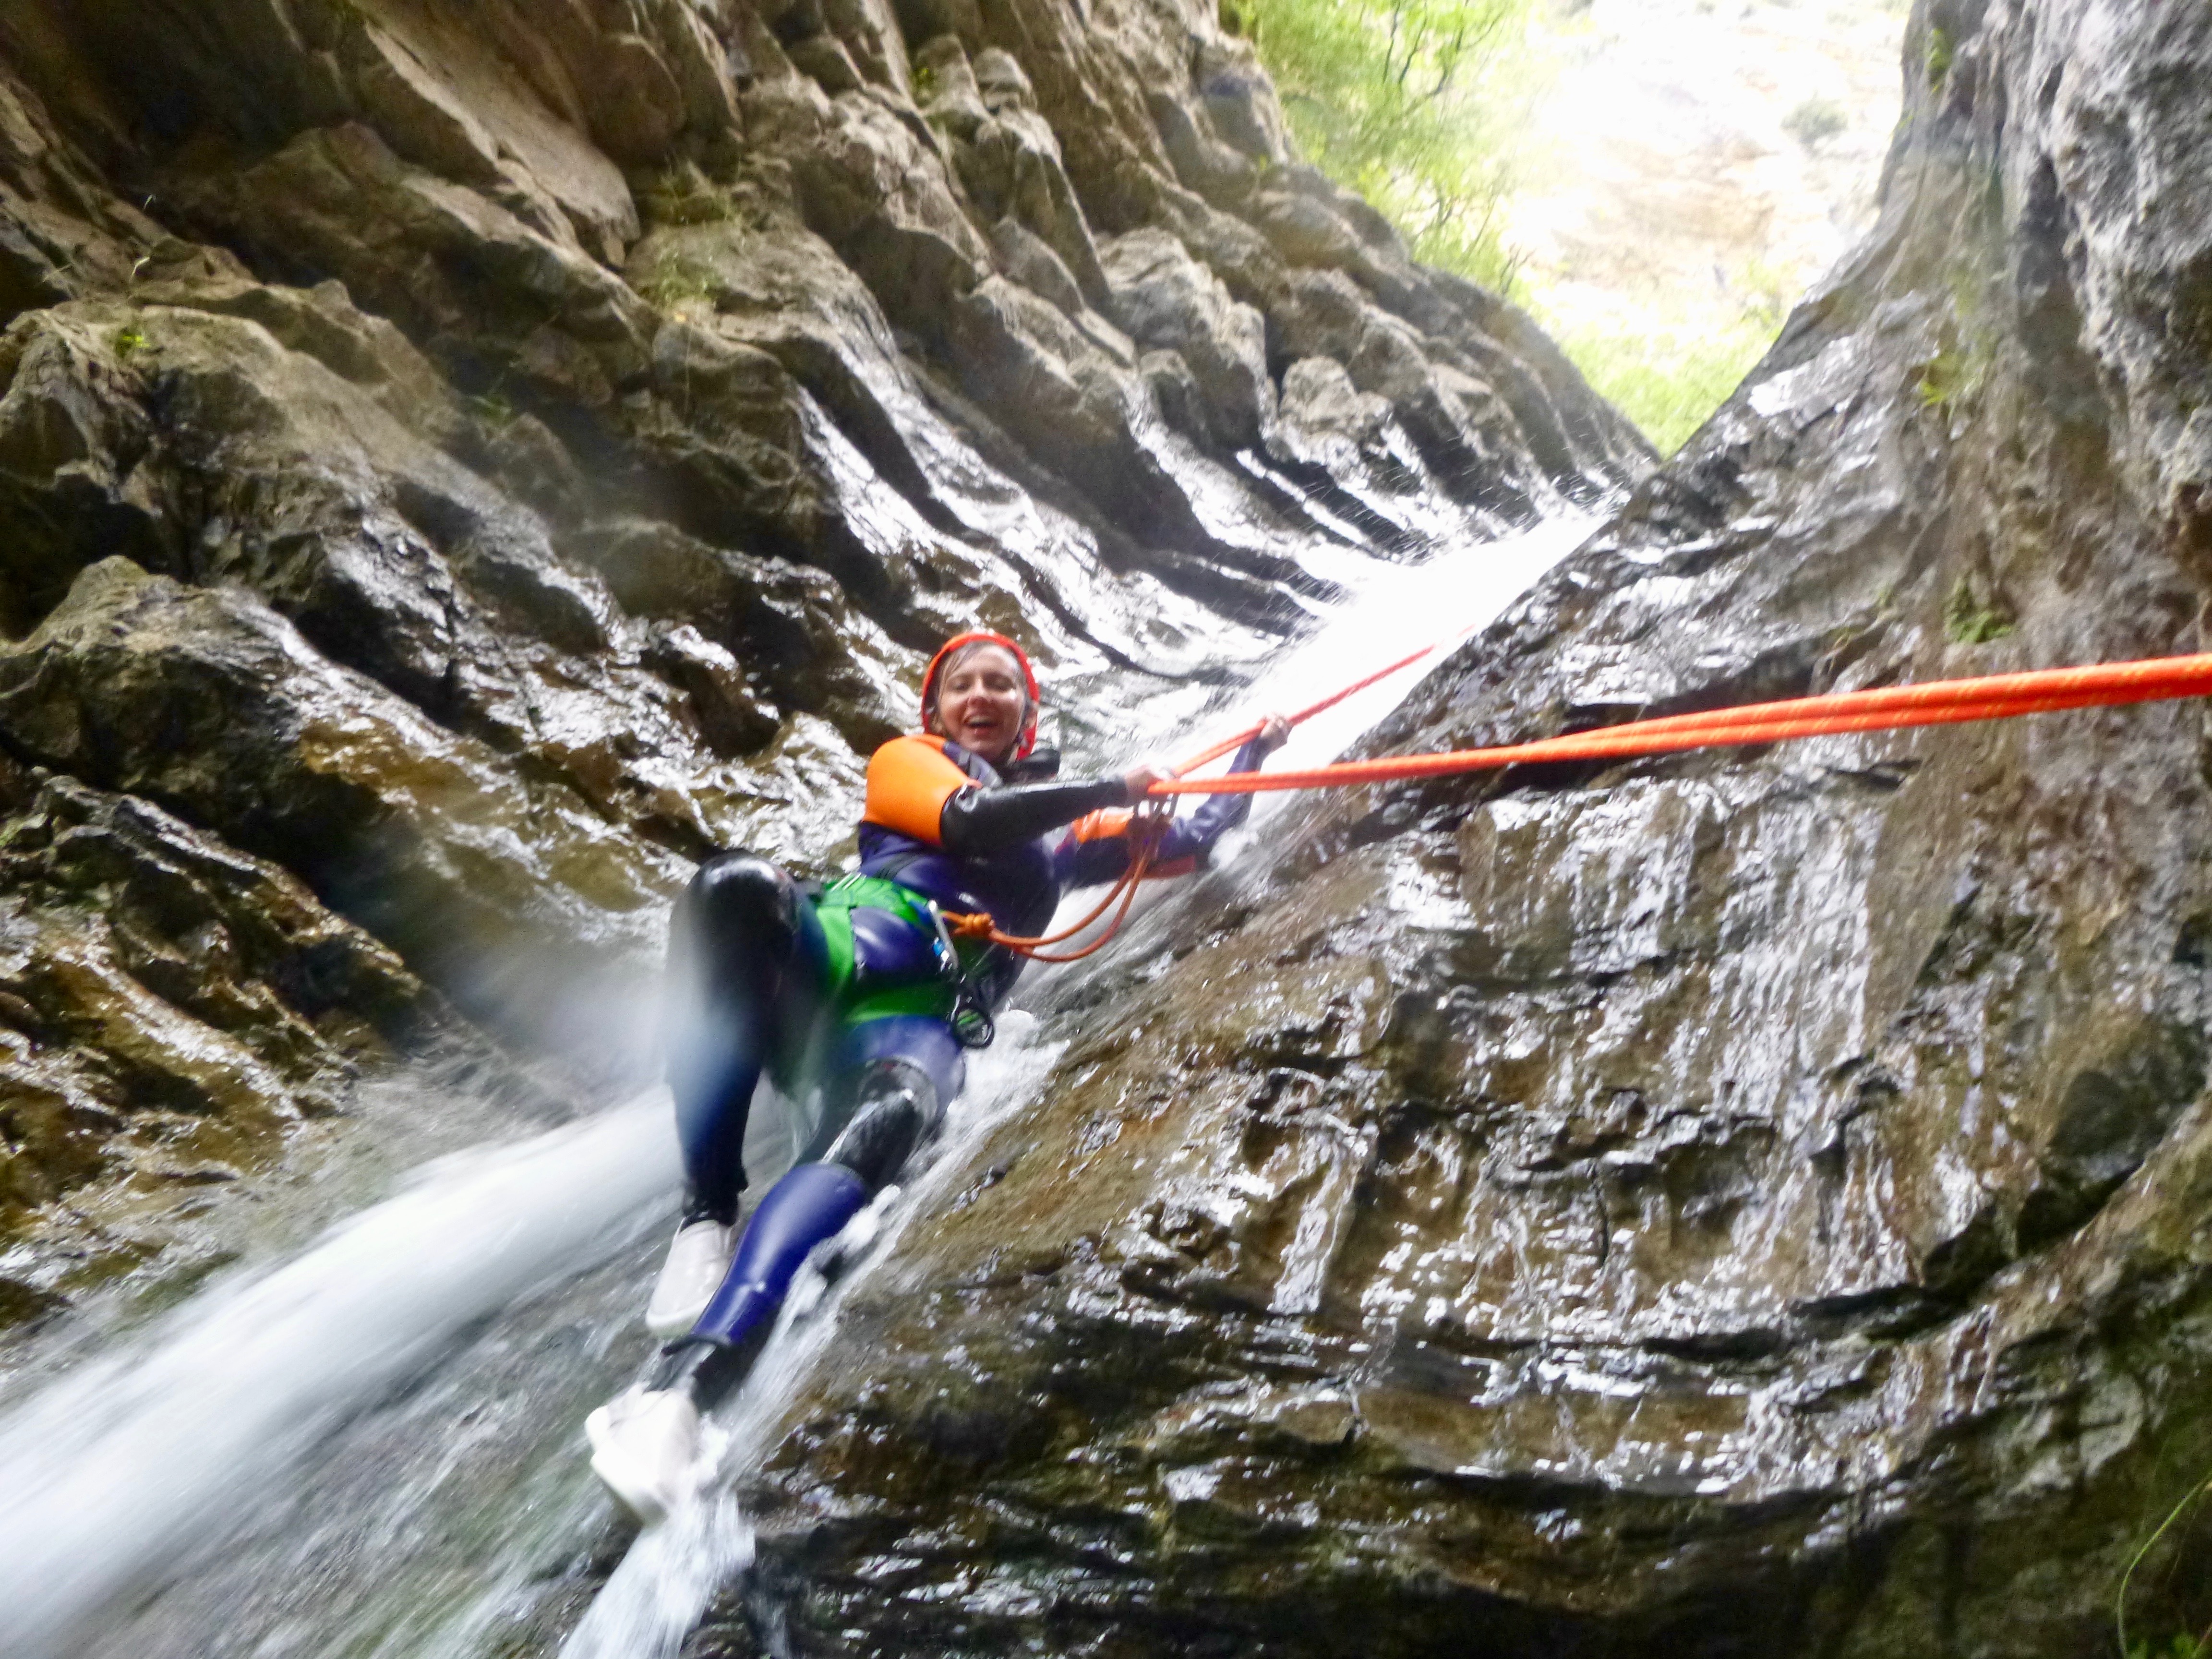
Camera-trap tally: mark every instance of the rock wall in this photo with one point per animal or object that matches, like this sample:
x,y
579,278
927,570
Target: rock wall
x,y
1744,1203
461,462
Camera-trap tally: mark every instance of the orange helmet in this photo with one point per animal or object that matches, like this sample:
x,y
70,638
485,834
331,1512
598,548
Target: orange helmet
x,y
1028,739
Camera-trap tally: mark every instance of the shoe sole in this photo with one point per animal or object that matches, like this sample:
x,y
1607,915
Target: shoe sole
x,y
644,1502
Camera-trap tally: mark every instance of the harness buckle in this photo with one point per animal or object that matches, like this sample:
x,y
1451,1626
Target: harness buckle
x,y
971,1022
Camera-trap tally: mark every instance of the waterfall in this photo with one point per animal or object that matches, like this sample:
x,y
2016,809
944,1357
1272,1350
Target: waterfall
x,y
207,1443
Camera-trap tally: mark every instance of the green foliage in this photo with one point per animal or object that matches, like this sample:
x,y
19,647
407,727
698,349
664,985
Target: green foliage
x,y
1968,620
1406,101
684,196
494,409
129,341
678,289
1813,122
1678,362
1415,105
1668,382
2181,1646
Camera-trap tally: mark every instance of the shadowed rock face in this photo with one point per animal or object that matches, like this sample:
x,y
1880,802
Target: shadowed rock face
x,y
460,464
1744,1203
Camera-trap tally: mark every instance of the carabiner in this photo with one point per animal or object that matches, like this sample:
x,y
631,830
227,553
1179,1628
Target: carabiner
x,y
948,959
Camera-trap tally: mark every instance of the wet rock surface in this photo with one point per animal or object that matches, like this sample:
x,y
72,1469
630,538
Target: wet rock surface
x,y
1744,1203
463,464
172,1005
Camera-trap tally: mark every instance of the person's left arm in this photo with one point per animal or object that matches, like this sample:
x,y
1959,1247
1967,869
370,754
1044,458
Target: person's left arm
x,y
1096,848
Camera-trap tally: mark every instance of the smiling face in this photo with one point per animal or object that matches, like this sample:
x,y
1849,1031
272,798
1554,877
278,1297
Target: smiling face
x,y
982,704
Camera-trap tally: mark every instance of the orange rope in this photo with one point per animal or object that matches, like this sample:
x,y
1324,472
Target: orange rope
x,y
1941,702
1227,745
1887,709
1146,832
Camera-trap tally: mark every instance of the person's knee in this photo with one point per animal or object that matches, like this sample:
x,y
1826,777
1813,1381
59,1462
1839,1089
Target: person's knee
x,y
896,1109
740,909
743,892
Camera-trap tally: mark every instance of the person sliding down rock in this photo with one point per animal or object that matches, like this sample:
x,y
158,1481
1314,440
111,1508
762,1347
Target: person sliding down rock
x,y
861,988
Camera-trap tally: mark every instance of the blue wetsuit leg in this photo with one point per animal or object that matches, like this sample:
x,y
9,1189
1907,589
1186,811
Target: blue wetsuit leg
x,y
750,967
891,1082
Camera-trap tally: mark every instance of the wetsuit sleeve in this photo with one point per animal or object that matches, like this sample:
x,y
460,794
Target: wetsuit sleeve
x,y
914,788
1097,848
1222,814
991,820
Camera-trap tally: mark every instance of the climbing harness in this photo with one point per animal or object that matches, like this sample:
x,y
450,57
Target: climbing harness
x,y
970,1017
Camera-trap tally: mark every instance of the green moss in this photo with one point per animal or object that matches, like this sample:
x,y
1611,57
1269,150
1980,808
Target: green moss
x,y
128,341
925,83
1939,56
1970,620
493,409
1942,380
2180,1646
1963,361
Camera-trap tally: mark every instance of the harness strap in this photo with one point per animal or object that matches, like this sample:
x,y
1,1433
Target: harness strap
x,y
950,994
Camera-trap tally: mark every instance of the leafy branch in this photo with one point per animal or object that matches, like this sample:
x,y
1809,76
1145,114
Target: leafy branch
x,y
1408,102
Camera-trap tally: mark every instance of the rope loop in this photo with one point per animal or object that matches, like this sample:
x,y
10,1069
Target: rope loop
x,y
1148,828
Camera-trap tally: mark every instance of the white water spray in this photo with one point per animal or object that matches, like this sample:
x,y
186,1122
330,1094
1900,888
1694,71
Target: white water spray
x,y
119,1465
666,1581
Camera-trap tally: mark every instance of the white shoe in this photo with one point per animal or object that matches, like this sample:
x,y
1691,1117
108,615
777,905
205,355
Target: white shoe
x,y
697,1260
644,1447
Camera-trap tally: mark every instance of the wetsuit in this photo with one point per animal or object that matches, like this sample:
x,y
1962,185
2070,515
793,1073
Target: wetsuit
x,y
855,987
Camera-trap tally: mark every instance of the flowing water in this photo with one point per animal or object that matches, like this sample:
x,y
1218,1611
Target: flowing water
x,y
374,1447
